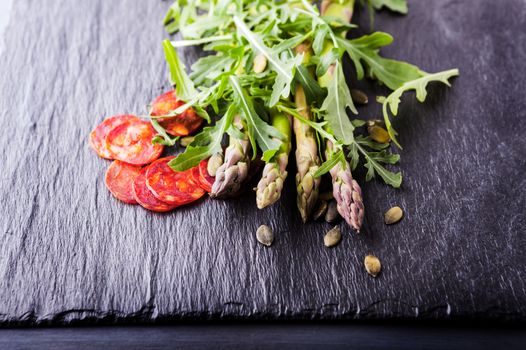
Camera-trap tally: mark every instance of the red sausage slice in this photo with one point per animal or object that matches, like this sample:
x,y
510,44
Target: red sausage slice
x,y
172,187
205,179
131,142
196,176
181,125
145,197
97,138
119,180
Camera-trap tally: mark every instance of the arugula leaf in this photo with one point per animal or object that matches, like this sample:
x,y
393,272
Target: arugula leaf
x,y
205,144
330,163
319,40
385,157
184,87
358,122
392,73
162,138
419,85
318,126
210,68
172,18
335,106
370,143
290,43
234,132
203,24
285,69
393,5
373,167
327,60
260,47
266,136
372,163
281,87
313,91
354,156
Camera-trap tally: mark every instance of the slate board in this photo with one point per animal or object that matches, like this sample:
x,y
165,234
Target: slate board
x,y
69,252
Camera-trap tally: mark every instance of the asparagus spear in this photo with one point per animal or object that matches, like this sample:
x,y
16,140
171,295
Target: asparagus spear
x,y
339,9
307,159
270,186
346,190
234,171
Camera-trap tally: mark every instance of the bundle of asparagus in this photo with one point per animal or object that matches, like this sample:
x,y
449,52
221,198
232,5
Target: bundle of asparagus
x,y
277,66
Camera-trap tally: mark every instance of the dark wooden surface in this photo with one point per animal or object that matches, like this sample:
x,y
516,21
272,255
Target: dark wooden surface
x,y
266,336
71,253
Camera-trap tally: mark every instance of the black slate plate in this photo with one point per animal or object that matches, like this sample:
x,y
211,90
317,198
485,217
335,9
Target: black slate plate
x,y
70,252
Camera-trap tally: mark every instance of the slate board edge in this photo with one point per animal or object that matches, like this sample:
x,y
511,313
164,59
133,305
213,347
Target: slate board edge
x,y
90,317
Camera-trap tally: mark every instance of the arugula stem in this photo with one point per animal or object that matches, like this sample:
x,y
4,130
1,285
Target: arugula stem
x,y
194,42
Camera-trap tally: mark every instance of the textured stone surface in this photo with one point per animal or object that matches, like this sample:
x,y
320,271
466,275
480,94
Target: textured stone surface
x,y
69,251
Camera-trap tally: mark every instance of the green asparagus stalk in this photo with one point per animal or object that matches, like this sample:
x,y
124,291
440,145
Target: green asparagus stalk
x,y
307,159
234,170
269,188
338,9
346,190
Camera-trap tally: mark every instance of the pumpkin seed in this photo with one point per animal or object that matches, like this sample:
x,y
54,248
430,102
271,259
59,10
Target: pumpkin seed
x,y
359,96
260,63
372,265
332,212
264,235
320,210
185,141
393,215
332,237
326,196
378,134
214,163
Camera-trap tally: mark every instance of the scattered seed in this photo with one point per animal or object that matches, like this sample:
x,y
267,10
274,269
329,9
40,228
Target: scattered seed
x,y
320,210
359,96
260,63
378,134
332,214
393,215
264,235
185,141
372,265
332,237
213,163
326,196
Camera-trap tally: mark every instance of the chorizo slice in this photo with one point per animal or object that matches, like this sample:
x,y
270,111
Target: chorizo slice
x,y
205,179
131,142
183,124
97,137
144,196
172,187
119,180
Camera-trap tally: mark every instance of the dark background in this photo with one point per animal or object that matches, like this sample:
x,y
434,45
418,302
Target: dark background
x,y
71,254
275,335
